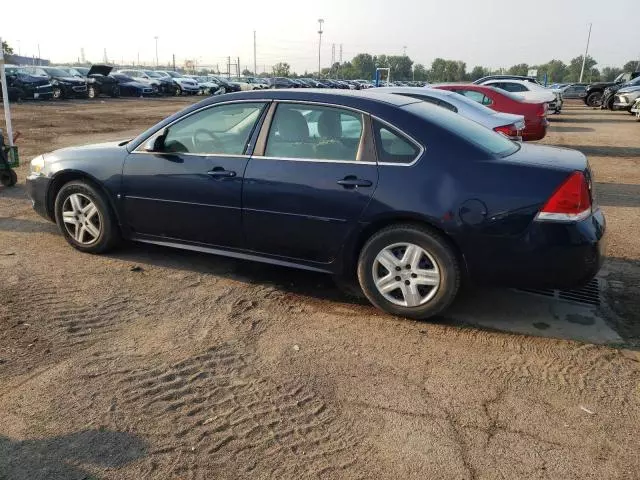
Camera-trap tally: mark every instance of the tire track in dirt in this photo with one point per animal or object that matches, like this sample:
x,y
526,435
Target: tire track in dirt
x,y
217,404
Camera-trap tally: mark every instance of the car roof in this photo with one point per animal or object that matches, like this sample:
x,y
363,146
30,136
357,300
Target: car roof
x,y
348,98
415,90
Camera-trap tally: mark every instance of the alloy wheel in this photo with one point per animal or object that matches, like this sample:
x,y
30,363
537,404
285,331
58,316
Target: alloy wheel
x,y
406,274
81,218
57,93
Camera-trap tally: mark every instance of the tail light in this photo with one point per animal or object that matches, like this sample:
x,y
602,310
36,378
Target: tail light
x,y
542,111
570,202
508,130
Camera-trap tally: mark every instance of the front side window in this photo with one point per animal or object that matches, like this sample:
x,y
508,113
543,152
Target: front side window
x,y
314,132
223,129
392,146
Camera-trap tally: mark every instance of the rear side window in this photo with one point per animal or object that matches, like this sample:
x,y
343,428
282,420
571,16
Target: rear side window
x,y
476,96
486,139
513,87
392,146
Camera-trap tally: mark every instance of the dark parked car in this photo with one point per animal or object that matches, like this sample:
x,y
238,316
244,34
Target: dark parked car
x,y
281,82
574,90
98,80
132,88
226,85
407,196
64,85
595,91
22,85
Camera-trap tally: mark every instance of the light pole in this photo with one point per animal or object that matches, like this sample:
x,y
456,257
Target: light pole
x,y
584,59
320,22
156,39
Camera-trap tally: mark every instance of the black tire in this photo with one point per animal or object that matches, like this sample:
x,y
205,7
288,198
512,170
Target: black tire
x,y
431,242
57,93
8,177
178,91
109,235
594,99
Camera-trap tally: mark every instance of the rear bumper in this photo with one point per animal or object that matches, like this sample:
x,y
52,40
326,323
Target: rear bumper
x,y
548,255
535,131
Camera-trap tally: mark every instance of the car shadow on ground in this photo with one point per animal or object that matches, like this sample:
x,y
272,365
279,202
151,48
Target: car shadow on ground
x,y
603,151
618,194
570,119
571,129
495,309
58,458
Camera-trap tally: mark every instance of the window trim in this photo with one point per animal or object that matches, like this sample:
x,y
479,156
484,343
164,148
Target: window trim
x,y
261,144
158,132
421,147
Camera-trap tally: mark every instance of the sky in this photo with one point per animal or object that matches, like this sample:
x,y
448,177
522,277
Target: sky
x,y
486,32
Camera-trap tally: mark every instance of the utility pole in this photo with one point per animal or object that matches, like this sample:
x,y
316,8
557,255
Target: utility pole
x,y
333,57
255,64
39,57
174,61
584,59
238,67
340,64
156,39
320,22
83,59
228,67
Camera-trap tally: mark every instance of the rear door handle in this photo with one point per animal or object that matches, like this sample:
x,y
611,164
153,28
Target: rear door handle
x,y
352,181
219,172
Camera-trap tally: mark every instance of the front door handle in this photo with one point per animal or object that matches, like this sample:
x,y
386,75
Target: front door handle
x,y
219,172
351,181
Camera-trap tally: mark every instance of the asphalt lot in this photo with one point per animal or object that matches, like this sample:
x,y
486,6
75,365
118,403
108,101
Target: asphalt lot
x,y
193,366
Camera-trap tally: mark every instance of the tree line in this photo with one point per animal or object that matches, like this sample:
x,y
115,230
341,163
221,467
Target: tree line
x,y
363,66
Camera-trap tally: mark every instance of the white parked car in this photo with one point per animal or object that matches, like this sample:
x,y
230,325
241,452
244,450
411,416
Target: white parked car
x,y
505,123
529,92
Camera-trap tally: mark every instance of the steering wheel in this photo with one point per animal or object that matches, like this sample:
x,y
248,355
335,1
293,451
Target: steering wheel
x,y
194,137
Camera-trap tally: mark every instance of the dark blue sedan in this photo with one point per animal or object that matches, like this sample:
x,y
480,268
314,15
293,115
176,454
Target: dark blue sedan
x,y
410,198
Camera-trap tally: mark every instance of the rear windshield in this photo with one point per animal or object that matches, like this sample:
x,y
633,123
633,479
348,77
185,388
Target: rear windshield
x,y
488,140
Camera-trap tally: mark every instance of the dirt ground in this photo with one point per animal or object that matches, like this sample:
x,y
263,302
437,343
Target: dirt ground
x,y
151,363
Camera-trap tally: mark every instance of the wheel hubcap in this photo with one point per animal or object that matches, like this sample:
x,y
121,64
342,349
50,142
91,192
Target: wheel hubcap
x,y
406,274
81,218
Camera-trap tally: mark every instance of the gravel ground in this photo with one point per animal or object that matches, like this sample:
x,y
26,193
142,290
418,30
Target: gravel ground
x,y
151,363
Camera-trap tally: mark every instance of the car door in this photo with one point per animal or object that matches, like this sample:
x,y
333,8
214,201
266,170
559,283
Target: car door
x,y
311,177
185,182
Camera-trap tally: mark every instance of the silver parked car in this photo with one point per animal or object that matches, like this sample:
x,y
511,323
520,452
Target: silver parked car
x,y
505,123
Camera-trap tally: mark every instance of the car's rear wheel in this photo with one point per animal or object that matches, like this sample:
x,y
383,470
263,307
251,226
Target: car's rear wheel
x,y
594,99
85,219
409,270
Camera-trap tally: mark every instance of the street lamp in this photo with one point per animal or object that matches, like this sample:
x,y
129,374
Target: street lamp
x,y
156,38
320,22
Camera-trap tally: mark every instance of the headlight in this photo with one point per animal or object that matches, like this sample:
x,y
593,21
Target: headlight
x,y
37,165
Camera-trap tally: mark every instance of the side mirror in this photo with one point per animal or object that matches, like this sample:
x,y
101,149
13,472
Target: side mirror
x,y
156,143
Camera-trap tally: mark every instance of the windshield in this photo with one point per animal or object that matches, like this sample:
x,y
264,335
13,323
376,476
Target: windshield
x,y
56,72
81,70
174,74
152,74
16,71
633,83
488,140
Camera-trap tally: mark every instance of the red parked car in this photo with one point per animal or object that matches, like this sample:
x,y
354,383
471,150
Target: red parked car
x,y
535,114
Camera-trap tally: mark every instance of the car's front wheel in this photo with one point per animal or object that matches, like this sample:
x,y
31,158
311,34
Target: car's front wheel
x,y
91,92
178,91
57,93
83,216
409,270
594,99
